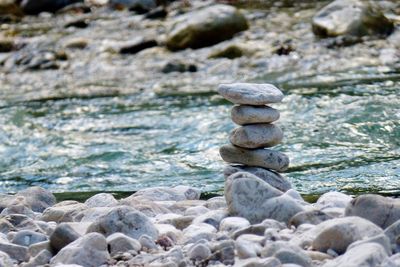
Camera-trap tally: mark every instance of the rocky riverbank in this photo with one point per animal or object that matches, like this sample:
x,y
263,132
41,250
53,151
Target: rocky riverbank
x,y
173,227
103,48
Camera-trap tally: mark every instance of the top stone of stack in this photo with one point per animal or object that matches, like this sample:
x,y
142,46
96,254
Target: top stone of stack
x,y
250,93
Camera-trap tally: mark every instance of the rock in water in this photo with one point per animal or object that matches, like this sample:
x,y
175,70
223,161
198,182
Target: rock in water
x,y
244,114
272,178
350,17
206,27
250,197
250,93
256,136
265,158
382,211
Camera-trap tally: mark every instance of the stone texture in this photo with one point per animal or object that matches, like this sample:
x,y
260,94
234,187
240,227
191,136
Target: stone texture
x,y
333,200
365,255
38,198
101,200
382,211
40,259
205,27
119,242
126,220
232,224
274,179
5,260
338,234
250,197
28,237
199,252
350,17
63,235
178,193
16,252
63,212
256,136
286,253
87,251
245,114
309,217
393,233
250,93
265,158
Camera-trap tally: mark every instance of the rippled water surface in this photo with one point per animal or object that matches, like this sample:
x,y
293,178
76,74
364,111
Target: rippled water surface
x,y
341,133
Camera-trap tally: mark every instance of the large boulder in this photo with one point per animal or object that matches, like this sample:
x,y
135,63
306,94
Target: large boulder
x,y
350,17
205,27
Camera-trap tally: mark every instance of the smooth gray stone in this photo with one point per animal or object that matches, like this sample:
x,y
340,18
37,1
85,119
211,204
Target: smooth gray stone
x,y
63,235
101,200
309,217
40,259
380,239
250,93
250,197
286,253
16,252
244,114
365,255
256,136
89,251
199,252
126,220
38,198
339,233
119,243
393,233
265,158
5,260
28,237
383,211
276,180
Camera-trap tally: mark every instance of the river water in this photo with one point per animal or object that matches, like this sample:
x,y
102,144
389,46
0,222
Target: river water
x,y
342,132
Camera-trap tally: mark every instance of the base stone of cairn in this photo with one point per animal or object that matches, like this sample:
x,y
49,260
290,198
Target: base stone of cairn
x,y
254,189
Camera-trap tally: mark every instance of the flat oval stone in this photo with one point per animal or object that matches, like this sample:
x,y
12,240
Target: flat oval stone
x,y
250,93
244,114
256,136
265,158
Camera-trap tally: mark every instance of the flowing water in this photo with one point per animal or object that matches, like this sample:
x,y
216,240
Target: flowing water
x,y
342,132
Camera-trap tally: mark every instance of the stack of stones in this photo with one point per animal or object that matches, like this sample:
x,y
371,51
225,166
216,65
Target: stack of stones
x,y
249,153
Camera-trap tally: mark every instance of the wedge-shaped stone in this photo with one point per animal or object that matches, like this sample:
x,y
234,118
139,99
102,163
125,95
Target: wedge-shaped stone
x,y
250,93
265,158
256,136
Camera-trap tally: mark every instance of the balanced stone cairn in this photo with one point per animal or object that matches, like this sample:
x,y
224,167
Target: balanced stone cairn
x,y
248,154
